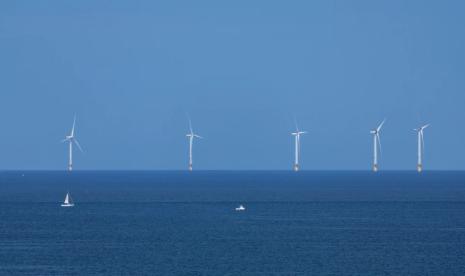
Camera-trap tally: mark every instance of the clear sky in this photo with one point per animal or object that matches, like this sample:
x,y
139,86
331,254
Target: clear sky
x,y
131,70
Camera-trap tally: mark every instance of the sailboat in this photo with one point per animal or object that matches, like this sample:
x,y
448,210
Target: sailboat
x,y
68,201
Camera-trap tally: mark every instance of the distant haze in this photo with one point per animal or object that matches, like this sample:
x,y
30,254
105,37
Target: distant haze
x,y
242,70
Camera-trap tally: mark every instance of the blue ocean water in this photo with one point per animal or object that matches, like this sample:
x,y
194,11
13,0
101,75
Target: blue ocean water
x,y
180,223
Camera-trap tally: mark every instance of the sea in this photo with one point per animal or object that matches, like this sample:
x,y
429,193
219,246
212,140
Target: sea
x,y
185,223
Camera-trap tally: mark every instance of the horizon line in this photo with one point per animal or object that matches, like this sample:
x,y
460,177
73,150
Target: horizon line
x,y
227,170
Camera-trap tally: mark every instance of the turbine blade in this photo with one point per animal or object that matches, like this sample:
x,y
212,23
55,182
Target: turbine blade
x,y
77,144
198,136
381,125
74,124
190,123
422,142
379,142
295,123
425,126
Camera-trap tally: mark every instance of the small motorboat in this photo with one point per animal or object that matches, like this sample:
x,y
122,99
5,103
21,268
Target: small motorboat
x,y
240,208
68,201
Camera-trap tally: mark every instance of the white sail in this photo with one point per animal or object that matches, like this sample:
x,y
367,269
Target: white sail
x,y
67,199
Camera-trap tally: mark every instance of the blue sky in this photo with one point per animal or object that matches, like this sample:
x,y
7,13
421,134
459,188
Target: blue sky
x,y
131,70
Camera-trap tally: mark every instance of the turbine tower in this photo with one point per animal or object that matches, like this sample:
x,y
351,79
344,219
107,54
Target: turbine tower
x,y
296,135
421,146
191,137
376,143
72,139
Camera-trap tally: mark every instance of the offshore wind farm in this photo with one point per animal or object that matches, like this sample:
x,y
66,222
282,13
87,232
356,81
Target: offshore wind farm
x,y
71,139
232,138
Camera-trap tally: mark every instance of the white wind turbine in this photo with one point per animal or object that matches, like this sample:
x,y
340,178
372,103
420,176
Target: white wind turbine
x,y
376,143
421,146
191,137
72,139
296,135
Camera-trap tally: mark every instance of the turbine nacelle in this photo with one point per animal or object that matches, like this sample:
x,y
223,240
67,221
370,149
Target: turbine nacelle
x,y
421,128
194,135
425,126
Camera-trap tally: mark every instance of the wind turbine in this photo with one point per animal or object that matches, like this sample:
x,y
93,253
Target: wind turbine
x,y
296,135
376,143
421,146
71,139
191,137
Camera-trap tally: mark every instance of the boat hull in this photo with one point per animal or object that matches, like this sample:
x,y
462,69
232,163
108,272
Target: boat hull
x,y
240,208
67,205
